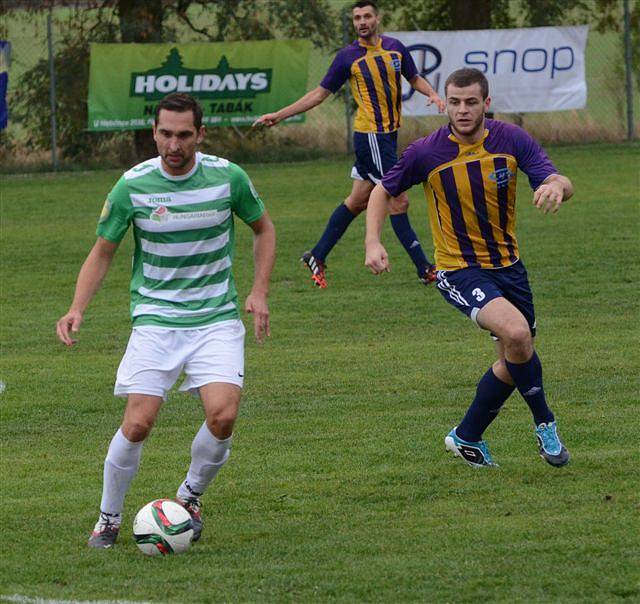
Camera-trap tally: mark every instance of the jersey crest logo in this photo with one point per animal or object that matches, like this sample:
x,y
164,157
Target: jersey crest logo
x,y
396,63
502,177
160,214
106,210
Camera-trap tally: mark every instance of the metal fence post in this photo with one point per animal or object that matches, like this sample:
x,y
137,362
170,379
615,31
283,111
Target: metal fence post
x,y
52,94
629,75
346,31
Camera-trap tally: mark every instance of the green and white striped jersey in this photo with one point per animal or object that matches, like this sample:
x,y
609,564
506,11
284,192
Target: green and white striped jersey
x,y
184,234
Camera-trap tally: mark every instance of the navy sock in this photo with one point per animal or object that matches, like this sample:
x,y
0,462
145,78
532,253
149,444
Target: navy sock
x,y
528,379
490,396
409,240
337,225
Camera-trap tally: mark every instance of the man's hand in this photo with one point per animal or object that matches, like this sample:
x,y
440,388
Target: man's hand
x,y
70,322
268,120
376,258
90,277
435,98
423,87
549,197
256,304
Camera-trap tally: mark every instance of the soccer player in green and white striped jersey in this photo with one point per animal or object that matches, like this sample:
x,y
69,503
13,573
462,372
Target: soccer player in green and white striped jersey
x,y
184,304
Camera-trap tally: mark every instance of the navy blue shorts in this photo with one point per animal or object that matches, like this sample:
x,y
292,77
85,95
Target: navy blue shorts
x,y
376,154
470,289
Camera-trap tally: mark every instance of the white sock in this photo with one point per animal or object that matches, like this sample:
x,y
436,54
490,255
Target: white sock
x,y
120,466
208,455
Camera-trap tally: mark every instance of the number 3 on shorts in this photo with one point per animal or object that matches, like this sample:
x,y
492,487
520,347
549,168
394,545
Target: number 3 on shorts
x,y
478,294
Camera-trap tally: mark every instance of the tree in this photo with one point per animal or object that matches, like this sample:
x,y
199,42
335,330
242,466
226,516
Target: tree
x,y
604,15
29,100
250,20
449,14
142,21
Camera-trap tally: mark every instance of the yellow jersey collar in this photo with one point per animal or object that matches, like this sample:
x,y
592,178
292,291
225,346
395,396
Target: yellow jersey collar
x,y
377,46
454,138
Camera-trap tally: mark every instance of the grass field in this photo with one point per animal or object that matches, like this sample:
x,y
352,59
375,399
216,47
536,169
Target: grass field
x,y
338,488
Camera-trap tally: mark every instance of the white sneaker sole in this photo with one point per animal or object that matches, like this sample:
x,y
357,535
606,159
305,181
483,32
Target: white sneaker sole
x,y
450,445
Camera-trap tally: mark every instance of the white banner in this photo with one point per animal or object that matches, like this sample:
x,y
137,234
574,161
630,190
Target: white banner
x,y
532,69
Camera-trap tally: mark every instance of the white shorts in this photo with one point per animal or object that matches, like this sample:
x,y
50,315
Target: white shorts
x,y
155,358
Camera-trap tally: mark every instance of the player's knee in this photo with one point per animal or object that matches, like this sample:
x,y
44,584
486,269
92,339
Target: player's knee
x,y
221,423
356,204
400,205
137,429
517,338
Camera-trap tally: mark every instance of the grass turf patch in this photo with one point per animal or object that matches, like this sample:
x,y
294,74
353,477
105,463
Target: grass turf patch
x,y
338,487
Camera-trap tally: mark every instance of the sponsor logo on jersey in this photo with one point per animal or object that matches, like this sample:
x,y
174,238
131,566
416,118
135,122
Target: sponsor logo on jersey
x,y
502,177
217,82
160,199
396,63
160,214
163,214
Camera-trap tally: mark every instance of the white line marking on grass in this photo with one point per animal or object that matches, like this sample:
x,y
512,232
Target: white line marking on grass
x,y
27,600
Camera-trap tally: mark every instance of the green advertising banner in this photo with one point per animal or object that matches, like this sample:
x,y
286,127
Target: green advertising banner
x,y
236,82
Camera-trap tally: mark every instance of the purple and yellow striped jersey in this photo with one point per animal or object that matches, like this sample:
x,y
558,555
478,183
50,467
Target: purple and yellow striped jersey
x,y
374,75
471,191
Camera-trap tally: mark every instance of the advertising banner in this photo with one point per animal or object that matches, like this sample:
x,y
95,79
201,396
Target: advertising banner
x,y
235,82
529,70
5,52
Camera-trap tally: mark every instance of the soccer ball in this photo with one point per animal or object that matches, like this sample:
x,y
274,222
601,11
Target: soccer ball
x,y
162,527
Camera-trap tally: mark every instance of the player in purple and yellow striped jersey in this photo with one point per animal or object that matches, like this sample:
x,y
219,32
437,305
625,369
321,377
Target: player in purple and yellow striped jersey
x,y
468,171
374,65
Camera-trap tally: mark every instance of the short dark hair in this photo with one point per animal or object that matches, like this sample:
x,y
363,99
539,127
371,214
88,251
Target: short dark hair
x,y
466,77
181,102
363,3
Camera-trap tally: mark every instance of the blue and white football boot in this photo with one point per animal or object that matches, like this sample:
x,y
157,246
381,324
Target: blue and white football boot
x,y
551,448
476,454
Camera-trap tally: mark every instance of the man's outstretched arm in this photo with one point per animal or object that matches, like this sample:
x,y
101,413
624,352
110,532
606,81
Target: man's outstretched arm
x,y
90,277
264,255
376,257
308,101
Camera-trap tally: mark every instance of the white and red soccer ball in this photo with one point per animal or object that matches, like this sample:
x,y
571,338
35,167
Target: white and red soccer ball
x,y
163,527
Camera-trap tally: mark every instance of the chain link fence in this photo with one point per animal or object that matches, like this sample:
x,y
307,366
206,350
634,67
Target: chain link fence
x,y
325,131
